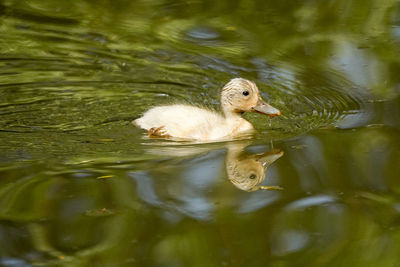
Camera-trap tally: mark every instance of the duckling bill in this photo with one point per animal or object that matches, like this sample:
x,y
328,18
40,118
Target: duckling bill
x,y
193,123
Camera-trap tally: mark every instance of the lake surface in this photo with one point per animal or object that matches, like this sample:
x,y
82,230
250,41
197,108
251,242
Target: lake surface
x,y
81,186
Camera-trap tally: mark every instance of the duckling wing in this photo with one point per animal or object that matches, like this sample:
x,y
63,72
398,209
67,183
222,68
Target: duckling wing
x,y
183,121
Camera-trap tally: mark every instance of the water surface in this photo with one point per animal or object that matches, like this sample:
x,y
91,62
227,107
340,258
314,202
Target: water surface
x,y
81,186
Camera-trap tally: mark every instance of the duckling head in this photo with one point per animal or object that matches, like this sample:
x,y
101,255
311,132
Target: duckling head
x,y
240,95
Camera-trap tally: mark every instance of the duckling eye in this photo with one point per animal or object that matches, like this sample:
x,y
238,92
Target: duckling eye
x,y
252,176
245,93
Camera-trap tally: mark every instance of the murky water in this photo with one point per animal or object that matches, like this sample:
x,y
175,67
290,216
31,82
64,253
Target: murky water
x,y
81,186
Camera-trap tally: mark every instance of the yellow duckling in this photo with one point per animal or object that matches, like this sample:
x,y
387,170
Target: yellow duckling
x,y
189,122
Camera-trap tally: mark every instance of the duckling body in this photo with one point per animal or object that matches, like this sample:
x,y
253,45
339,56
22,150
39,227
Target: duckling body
x,y
190,122
194,123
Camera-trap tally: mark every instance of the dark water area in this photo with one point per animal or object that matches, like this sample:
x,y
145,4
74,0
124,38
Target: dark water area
x,y
81,186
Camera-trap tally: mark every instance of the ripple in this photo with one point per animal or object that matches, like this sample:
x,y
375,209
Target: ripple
x,y
308,98
72,82
40,17
203,33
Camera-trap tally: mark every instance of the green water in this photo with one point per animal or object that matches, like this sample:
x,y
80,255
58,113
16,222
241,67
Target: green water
x,y
81,186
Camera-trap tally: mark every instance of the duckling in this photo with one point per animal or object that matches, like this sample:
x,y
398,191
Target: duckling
x,y
193,123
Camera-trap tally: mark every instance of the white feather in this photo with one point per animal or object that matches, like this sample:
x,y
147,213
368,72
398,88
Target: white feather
x,y
191,122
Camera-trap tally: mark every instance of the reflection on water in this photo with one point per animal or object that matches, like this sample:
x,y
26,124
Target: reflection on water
x,y
246,171
80,186
83,211
141,211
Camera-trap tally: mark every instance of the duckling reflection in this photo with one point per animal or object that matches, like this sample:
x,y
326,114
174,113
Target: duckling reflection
x,y
247,171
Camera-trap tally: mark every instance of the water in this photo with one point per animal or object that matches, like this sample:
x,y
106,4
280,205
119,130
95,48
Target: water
x,y
81,186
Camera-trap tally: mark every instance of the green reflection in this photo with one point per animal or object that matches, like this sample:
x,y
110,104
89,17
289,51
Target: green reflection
x,y
80,186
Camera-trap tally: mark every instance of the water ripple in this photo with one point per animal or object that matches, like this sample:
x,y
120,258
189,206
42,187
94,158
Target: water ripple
x,y
59,75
